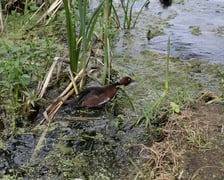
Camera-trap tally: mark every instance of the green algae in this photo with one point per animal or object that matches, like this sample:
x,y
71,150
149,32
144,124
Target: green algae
x,y
219,31
195,30
191,76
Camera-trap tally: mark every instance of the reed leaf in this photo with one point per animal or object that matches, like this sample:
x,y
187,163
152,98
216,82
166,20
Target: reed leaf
x,y
128,13
82,31
140,12
116,15
71,35
92,22
106,69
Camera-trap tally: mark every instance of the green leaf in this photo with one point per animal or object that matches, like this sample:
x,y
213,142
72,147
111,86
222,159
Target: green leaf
x,y
175,107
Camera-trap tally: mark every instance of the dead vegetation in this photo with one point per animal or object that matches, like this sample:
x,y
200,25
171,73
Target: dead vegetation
x,y
193,146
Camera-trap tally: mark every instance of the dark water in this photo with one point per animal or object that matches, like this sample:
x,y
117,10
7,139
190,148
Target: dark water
x,y
180,17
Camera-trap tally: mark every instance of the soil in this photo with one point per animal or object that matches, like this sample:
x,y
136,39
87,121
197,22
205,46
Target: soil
x,y
207,163
194,144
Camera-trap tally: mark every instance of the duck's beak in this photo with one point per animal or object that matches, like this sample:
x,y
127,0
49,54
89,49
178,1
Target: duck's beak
x,y
133,80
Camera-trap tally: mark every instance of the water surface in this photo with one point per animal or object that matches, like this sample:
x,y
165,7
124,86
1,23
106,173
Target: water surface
x,y
178,22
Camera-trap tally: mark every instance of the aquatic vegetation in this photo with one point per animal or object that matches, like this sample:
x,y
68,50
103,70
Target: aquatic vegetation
x,y
127,6
195,30
219,31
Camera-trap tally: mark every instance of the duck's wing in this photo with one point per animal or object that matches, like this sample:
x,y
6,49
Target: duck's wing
x,y
88,92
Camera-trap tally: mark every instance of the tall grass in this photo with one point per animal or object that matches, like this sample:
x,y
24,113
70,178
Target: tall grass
x,y
79,43
107,59
82,5
127,7
72,39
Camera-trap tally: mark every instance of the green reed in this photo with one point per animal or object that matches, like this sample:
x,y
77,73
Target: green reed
x,y
127,7
79,42
107,59
72,39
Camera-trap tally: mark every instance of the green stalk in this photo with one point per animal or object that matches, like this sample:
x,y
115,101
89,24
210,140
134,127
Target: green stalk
x,y
82,17
71,35
129,99
130,15
92,23
26,7
116,15
167,67
146,2
106,41
125,9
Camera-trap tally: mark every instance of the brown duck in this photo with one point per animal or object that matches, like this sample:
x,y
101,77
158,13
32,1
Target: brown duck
x,y
97,96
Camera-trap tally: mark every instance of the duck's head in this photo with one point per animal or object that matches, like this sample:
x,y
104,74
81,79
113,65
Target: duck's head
x,y
125,81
